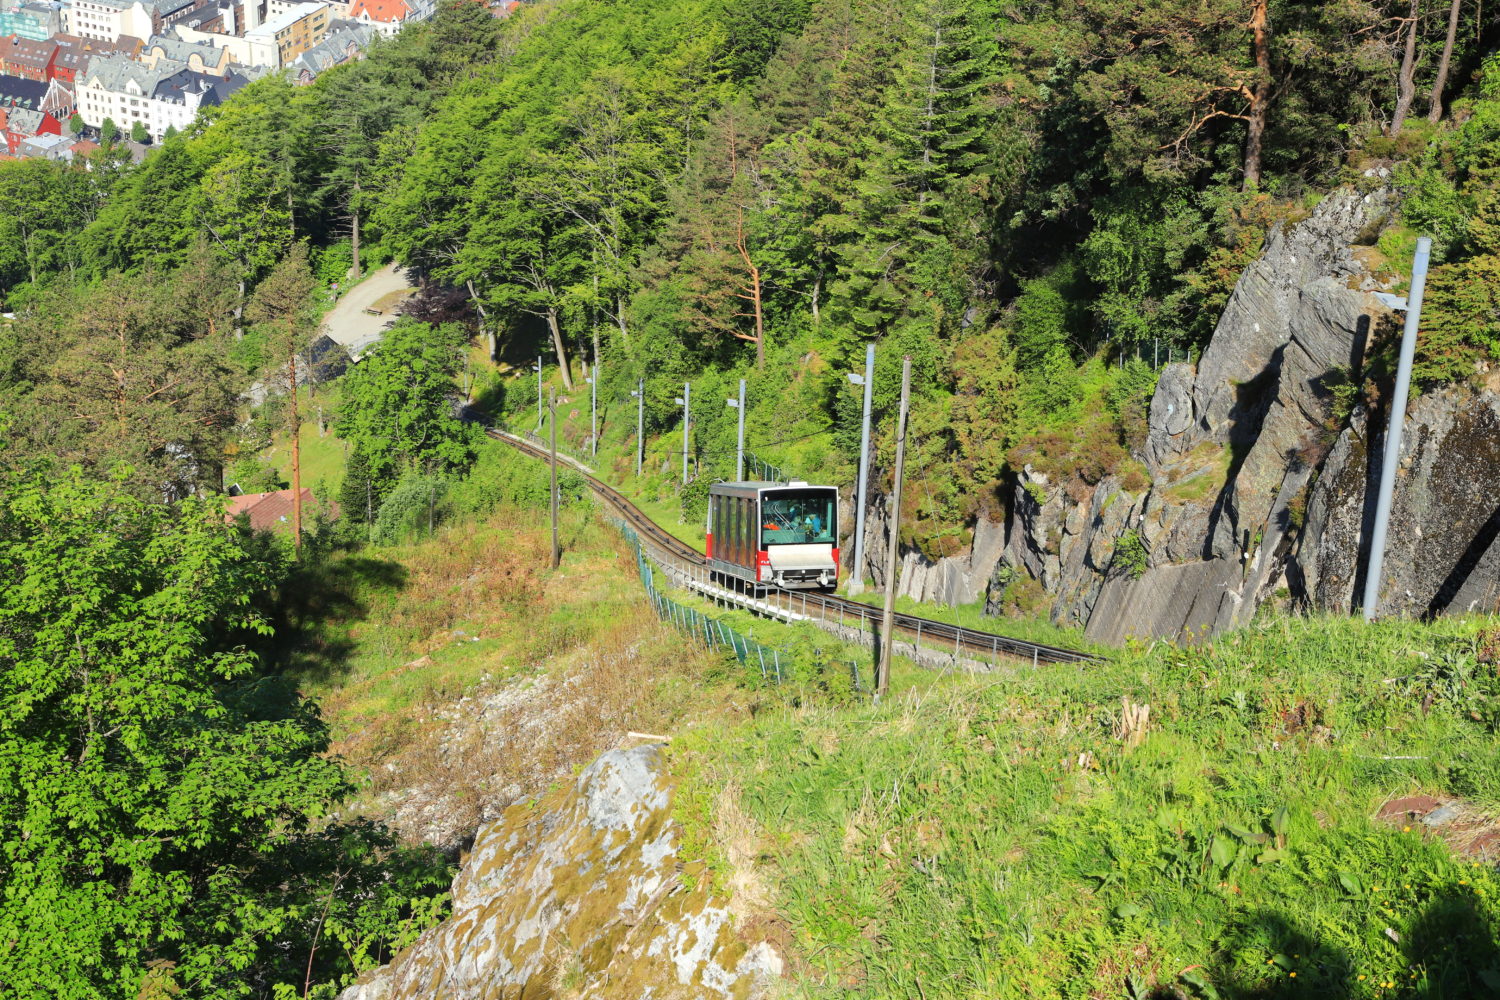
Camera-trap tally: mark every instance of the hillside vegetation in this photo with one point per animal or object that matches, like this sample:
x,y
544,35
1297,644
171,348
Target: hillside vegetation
x,y
1255,836
1037,202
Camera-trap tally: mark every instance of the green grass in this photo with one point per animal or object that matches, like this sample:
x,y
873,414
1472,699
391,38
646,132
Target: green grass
x,y
1003,841
806,643
322,455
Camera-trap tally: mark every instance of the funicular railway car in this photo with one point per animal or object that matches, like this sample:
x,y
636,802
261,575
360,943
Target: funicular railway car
x,y
774,534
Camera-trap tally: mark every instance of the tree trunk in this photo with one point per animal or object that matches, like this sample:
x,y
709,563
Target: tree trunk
x,y
560,348
937,44
760,329
620,316
1435,108
354,218
817,291
1406,83
239,312
295,426
1260,98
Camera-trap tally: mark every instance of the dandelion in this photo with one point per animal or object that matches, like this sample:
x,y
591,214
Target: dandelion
x,y
1361,977
1292,974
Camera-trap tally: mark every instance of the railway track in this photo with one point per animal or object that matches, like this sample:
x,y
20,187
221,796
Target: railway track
x,y
828,607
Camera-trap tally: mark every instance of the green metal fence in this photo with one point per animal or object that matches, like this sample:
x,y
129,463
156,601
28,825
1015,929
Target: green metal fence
x,y
776,665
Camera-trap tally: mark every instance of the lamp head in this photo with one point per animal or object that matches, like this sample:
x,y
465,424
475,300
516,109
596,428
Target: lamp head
x,y
855,379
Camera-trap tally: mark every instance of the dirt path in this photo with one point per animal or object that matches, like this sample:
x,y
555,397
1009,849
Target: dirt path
x,y
349,324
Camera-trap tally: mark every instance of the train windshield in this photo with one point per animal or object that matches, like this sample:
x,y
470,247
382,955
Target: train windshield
x,y
797,517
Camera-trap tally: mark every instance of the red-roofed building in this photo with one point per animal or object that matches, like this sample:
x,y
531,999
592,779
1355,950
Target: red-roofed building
x,y
273,511
385,16
20,124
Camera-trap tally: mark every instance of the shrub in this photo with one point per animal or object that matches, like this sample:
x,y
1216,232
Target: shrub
x,y
1130,557
410,504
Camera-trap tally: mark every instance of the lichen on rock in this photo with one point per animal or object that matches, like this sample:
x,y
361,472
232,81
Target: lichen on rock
x,y
579,894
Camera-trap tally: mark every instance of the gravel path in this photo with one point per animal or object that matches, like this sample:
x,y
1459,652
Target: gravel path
x,y
349,324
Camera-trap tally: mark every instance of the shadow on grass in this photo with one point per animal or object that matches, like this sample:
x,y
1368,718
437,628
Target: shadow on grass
x,y
1450,952
313,608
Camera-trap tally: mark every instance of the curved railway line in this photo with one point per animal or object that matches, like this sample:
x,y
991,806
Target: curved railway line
x,y
827,607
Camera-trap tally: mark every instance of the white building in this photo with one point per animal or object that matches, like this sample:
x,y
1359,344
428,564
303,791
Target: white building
x,y
161,96
107,20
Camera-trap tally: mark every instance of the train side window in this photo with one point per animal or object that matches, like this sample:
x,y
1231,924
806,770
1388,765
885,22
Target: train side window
x,y
741,507
731,539
739,530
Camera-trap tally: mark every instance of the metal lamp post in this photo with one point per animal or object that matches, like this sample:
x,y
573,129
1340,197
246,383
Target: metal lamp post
x,y
538,369
685,401
1412,304
857,577
640,421
593,381
739,453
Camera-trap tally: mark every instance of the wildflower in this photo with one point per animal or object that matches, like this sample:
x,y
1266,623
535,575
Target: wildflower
x,y
1361,977
1292,974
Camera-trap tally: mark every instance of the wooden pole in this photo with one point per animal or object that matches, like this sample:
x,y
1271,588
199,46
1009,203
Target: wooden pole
x,y
552,411
893,544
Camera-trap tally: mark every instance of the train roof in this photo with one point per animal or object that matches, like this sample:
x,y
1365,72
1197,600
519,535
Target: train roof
x,y
769,484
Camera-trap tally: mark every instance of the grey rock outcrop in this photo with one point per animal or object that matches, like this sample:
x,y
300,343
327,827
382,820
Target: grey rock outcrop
x,y
956,579
1257,489
584,887
1445,519
1232,445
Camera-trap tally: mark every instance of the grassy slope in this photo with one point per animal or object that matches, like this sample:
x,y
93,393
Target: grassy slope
x,y
998,839
395,637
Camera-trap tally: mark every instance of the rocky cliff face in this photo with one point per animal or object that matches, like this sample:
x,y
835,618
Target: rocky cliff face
x,y
1257,491
582,894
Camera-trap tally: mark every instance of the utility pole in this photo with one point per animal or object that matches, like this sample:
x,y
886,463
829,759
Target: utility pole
x,y
593,381
556,551
684,401
640,422
538,369
739,455
888,615
857,577
1413,306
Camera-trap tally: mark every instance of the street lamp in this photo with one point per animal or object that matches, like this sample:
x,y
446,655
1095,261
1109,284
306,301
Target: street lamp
x,y
739,454
856,578
640,419
593,381
538,369
1412,305
683,401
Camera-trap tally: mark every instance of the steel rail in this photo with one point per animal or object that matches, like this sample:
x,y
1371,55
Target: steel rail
x,y
828,607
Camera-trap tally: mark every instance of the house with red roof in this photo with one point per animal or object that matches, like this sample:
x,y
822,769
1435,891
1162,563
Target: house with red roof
x,y
273,511
387,16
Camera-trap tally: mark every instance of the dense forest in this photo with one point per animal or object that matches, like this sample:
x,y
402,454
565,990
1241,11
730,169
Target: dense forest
x,y
1019,195
1037,202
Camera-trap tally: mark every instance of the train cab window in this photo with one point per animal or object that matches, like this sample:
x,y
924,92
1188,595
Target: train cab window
x,y
796,517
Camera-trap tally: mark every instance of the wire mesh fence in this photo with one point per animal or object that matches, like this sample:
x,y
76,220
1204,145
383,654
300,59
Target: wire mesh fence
x,y
775,664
